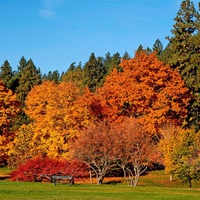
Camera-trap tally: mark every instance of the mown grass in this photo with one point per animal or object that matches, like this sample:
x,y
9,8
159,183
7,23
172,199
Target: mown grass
x,y
153,186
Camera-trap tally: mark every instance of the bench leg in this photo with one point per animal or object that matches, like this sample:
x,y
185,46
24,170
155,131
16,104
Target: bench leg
x,y
54,181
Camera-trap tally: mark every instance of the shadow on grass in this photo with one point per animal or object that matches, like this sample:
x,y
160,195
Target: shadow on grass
x,y
112,182
3,177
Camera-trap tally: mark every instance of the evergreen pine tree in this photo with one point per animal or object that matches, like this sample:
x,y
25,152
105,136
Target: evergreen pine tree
x,y
44,77
6,74
49,75
166,54
72,67
28,76
158,47
115,61
141,48
94,72
185,48
126,56
55,76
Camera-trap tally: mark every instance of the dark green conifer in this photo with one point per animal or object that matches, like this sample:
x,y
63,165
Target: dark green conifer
x,y
94,72
158,47
28,77
6,74
185,54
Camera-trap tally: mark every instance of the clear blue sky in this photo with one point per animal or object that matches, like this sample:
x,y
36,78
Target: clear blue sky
x,y
55,33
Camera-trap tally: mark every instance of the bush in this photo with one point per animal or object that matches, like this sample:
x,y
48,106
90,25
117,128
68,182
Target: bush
x,y
39,166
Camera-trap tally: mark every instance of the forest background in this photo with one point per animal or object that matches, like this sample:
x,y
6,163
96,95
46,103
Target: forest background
x,y
113,105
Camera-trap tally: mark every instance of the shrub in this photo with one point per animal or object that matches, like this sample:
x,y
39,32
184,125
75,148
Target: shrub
x,y
39,166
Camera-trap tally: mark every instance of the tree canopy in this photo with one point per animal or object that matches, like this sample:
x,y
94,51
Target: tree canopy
x,y
110,111
146,89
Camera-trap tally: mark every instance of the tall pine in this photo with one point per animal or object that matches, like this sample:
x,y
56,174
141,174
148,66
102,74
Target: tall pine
x,y
185,48
26,78
94,72
158,47
6,74
29,76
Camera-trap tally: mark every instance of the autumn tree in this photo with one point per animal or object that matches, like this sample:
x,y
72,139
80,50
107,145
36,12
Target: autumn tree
x,y
75,75
21,147
186,156
103,145
181,153
146,89
94,147
9,107
167,145
32,169
133,148
57,115
184,47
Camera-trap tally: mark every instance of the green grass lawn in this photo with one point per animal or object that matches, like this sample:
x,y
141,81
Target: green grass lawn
x,y
152,186
21,190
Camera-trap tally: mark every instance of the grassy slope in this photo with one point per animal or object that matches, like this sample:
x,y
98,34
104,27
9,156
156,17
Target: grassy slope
x,y
153,186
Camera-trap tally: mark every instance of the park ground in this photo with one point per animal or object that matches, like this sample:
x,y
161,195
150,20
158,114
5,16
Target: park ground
x,y
154,185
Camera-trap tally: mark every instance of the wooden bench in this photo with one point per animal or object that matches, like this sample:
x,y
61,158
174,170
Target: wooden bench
x,y
54,178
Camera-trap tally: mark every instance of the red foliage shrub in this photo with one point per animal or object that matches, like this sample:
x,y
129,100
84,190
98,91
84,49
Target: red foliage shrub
x,y
39,166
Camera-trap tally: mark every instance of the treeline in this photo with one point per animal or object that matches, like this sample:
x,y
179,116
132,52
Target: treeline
x,y
92,74
155,93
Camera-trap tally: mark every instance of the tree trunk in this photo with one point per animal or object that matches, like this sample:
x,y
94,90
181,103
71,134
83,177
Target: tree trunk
x,y
136,179
124,171
100,180
90,172
131,181
130,178
190,181
170,177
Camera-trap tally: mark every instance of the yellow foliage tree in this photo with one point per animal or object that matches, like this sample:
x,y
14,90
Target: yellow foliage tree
x,y
57,115
9,107
181,153
20,147
167,145
75,76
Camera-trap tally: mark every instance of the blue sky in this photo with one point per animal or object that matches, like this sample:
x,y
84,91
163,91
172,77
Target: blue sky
x,y
55,33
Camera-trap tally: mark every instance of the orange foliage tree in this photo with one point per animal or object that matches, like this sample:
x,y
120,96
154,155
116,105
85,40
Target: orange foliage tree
x,y
57,115
146,89
9,107
103,145
133,148
95,147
